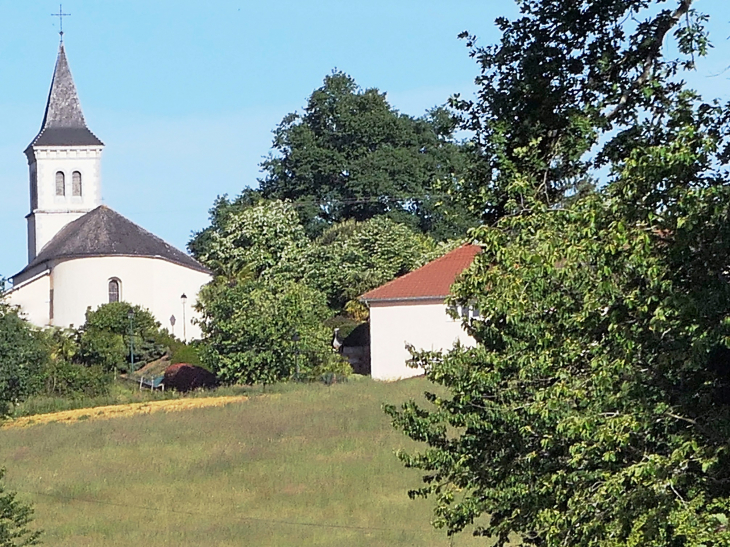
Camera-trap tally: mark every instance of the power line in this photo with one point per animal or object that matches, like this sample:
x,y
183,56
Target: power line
x,y
366,199
385,200
242,518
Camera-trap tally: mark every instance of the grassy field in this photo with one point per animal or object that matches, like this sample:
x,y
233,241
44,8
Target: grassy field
x,y
121,393
312,465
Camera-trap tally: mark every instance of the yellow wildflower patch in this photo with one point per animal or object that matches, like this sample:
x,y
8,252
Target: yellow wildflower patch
x,y
121,411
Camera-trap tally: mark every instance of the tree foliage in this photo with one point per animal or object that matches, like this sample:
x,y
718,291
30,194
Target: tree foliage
x,y
273,282
563,74
218,214
105,336
351,258
267,241
254,239
595,408
350,155
63,375
14,520
256,333
23,356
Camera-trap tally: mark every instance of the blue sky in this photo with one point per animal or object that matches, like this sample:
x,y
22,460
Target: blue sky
x,y
185,94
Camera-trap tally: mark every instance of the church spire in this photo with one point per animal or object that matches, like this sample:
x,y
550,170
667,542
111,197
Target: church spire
x,y
63,108
64,162
64,123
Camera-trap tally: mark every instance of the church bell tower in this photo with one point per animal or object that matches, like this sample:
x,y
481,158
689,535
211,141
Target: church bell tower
x,y
64,161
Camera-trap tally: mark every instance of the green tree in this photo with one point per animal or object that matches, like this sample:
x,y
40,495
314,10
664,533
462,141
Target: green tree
x,y
595,408
202,241
351,257
564,74
105,336
63,376
14,520
250,332
266,240
254,240
23,357
350,155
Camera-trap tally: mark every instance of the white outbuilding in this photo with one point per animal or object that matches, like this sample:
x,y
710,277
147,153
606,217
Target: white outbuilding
x,y
82,254
411,310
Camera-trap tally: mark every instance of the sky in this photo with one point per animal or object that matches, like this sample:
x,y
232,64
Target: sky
x,y
185,93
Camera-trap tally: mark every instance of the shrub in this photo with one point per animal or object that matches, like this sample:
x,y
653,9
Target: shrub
x,y
184,377
258,333
178,351
14,520
69,380
105,337
23,355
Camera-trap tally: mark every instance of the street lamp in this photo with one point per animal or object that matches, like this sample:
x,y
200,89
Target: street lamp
x,y
184,299
130,315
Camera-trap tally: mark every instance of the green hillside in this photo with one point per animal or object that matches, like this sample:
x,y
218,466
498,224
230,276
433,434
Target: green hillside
x,y
314,465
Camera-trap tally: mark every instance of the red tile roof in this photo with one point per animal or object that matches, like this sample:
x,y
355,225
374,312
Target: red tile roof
x,y
433,280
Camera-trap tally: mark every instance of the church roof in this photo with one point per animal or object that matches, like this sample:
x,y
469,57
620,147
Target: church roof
x,y
104,232
63,123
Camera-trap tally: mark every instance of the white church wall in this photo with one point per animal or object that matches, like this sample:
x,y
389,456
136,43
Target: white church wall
x,y
33,297
45,226
67,159
422,324
51,212
152,283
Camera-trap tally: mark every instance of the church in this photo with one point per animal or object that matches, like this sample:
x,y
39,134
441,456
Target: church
x,y
82,254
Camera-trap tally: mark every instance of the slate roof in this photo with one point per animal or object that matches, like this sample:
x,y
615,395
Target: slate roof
x,y
431,281
104,232
64,123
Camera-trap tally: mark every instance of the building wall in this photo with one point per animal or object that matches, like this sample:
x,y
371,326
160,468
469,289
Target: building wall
x,y
423,324
33,298
43,226
49,212
80,283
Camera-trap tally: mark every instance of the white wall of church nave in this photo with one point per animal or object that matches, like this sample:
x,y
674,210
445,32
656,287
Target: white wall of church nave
x,y
33,298
152,283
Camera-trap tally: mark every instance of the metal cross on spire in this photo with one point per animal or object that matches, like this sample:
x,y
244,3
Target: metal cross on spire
x,y
60,16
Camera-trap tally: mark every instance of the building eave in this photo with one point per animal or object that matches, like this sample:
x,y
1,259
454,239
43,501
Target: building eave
x,y
67,258
368,301
45,272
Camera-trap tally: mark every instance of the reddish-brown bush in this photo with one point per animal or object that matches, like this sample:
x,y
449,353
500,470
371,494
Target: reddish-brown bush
x,y
184,377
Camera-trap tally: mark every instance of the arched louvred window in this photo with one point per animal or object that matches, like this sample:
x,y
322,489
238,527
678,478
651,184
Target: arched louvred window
x,y
114,290
76,183
60,184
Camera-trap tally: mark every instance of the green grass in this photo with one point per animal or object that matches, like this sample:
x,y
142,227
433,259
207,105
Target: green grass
x,y
304,465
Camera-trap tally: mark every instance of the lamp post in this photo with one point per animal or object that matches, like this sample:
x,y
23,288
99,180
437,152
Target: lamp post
x,y
295,338
130,314
184,299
